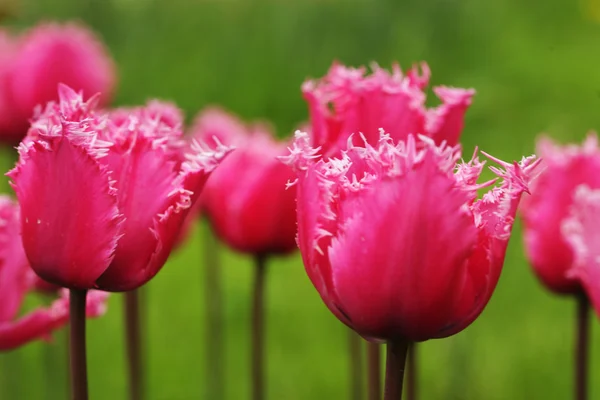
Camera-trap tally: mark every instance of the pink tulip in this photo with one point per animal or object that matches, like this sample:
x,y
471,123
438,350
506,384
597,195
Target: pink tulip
x,y
17,279
42,58
394,238
245,199
559,214
348,101
102,203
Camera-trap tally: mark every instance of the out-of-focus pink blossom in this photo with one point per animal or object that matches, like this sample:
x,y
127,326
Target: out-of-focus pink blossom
x,y
17,280
560,215
32,66
349,101
102,203
246,199
394,238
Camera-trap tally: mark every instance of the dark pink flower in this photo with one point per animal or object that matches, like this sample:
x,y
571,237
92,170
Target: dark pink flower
x,y
348,101
17,279
394,238
42,58
559,214
101,203
246,199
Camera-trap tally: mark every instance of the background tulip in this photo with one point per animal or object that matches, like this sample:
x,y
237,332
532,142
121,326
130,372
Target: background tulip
x,y
33,64
249,208
561,233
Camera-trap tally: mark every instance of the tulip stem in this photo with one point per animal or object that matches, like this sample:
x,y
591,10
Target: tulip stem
x,y
214,319
581,351
374,373
411,373
394,370
258,306
134,344
356,374
79,388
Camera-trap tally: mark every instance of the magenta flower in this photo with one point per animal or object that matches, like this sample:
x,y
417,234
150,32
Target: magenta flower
x,y
17,279
390,259
102,203
246,198
348,101
559,218
42,58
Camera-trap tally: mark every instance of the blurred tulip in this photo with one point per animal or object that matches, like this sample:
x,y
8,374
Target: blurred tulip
x,y
246,199
17,279
42,58
553,207
249,208
348,101
561,220
121,183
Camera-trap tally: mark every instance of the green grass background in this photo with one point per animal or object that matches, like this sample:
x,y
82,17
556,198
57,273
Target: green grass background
x,y
535,67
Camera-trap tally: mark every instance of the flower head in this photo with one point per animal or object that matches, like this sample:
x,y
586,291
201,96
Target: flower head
x,y
393,235
103,202
17,279
559,217
349,101
246,198
44,57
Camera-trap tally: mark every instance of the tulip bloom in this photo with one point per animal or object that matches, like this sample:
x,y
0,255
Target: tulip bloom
x,y
390,259
17,279
101,202
348,101
245,199
42,58
557,203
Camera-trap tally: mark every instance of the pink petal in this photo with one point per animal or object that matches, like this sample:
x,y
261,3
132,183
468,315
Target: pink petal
x,y
69,215
400,253
315,232
155,201
548,205
582,233
14,278
213,122
446,122
247,201
144,178
494,217
36,325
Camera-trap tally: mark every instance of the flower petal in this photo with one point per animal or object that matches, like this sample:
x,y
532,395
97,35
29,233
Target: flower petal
x,y
14,268
446,122
397,277
69,215
582,233
544,211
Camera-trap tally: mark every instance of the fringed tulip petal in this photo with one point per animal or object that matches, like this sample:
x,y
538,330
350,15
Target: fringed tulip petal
x,y
72,248
348,101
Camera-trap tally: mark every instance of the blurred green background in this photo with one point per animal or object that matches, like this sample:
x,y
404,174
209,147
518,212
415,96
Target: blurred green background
x,y
535,67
